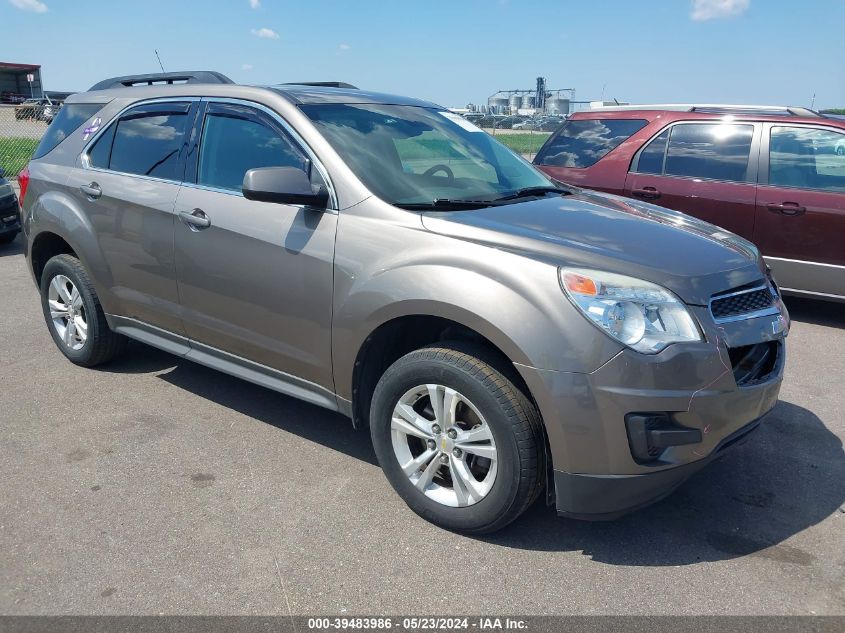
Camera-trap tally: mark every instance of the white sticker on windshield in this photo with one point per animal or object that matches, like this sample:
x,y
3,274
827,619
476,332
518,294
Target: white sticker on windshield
x,y
459,120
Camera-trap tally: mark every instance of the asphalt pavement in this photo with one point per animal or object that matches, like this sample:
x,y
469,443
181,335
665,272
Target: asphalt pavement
x,y
153,485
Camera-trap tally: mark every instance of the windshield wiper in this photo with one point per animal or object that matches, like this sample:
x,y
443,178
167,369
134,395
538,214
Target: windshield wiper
x,y
446,204
531,192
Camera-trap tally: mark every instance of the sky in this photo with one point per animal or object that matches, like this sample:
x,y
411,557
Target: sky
x,y
452,52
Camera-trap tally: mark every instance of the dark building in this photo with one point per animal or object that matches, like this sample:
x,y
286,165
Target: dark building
x,y
14,84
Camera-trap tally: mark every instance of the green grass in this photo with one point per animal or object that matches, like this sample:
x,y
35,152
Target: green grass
x,y
418,148
15,153
523,143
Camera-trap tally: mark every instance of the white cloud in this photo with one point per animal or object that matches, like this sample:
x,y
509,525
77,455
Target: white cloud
x,y
344,47
714,9
255,4
265,33
246,66
36,6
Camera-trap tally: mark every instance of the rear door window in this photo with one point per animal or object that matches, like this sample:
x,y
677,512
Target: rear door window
x,y
145,141
583,142
807,158
713,151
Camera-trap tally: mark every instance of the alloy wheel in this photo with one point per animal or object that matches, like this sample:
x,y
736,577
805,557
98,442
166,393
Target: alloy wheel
x,y
443,445
67,312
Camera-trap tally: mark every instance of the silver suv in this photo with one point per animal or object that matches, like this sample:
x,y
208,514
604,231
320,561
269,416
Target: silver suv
x,y
502,336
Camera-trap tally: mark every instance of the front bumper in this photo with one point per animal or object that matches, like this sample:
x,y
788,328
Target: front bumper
x,y
607,497
595,473
10,215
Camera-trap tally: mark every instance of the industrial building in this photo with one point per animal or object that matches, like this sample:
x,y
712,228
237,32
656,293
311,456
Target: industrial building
x,y
529,102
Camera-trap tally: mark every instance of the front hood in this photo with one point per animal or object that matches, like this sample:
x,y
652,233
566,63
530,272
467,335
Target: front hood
x,y
692,258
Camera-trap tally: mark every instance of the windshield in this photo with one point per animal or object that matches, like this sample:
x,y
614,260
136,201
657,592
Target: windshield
x,y
409,155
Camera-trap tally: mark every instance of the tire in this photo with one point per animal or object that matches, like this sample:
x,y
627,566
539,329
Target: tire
x,y
100,344
8,238
489,404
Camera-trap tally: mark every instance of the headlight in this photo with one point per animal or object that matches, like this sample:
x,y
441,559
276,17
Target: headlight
x,y
637,313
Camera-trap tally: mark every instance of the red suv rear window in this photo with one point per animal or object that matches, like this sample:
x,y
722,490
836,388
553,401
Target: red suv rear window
x,y
583,142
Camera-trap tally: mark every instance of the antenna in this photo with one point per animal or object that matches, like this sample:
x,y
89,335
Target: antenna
x,y
159,60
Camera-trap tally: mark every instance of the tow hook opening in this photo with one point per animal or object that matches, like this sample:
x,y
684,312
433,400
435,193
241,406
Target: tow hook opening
x,y
650,434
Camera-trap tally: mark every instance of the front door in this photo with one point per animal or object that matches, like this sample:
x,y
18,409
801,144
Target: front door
x,y
707,169
800,224
255,278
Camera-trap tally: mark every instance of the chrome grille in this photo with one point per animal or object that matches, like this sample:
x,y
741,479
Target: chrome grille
x,y
742,303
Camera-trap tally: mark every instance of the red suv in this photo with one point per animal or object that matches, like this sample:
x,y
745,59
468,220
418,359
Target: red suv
x,y
773,175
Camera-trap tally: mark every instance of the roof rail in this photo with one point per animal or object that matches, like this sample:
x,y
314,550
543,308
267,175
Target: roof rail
x,y
321,84
152,79
717,108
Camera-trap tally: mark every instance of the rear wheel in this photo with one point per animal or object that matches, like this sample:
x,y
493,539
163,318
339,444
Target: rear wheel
x,y
457,440
74,316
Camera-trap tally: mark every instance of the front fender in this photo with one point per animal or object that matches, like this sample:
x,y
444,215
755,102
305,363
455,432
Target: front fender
x,y
513,301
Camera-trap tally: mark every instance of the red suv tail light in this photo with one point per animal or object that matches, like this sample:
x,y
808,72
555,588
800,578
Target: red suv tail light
x,y
23,183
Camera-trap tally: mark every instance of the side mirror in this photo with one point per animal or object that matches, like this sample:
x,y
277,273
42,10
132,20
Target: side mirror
x,y
283,185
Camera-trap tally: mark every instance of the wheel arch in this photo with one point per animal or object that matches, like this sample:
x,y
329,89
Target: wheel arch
x,y
397,335
46,245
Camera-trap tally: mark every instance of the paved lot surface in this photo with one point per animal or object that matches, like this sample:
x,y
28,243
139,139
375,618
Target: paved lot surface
x,y
157,486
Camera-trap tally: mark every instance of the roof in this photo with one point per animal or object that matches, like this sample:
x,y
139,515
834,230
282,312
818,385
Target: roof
x,y
298,95
743,113
309,94
18,68
714,108
211,83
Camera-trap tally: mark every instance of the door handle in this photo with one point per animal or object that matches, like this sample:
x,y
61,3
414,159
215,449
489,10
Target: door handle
x,y
196,219
649,193
93,190
786,208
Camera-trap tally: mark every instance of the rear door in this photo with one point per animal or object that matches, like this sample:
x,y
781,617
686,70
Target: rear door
x,y
801,207
255,278
127,183
707,169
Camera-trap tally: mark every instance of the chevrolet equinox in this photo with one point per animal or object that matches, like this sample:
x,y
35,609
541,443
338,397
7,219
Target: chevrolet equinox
x,y
502,336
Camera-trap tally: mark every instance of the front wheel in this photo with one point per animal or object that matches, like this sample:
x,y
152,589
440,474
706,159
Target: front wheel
x,y
457,440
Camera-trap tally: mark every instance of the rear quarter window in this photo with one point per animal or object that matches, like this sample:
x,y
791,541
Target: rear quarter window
x,y
69,118
584,142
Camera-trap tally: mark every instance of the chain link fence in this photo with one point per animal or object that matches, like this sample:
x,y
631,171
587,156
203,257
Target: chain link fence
x,y
21,129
